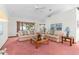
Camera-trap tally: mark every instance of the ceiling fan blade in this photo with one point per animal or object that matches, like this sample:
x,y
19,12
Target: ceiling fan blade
x,y
50,14
54,13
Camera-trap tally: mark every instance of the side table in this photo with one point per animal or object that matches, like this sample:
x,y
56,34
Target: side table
x,y
71,39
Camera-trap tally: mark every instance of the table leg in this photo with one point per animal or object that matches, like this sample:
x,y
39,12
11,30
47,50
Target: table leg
x,y
31,40
37,45
62,40
73,40
70,42
65,39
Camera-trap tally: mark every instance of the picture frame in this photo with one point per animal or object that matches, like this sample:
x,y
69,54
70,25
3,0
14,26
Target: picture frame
x,y
59,26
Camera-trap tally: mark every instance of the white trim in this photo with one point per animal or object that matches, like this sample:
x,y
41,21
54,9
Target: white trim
x,y
3,20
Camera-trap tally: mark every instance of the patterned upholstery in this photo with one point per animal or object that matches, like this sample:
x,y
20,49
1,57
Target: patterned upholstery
x,y
57,36
22,37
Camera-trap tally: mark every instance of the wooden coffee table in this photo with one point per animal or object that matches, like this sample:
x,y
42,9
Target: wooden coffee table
x,y
39,43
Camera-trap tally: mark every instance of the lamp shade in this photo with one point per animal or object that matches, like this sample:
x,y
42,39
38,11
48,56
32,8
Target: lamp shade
x,y
67,29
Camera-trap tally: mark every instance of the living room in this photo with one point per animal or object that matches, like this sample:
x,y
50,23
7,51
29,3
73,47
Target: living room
x,y
52,20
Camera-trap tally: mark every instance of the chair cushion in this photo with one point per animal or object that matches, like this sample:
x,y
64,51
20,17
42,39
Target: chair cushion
x,y
20,33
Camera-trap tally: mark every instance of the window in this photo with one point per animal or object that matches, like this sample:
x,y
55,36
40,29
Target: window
x,y
26,27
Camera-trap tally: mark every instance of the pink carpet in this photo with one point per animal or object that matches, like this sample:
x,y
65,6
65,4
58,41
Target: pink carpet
x,y
15,47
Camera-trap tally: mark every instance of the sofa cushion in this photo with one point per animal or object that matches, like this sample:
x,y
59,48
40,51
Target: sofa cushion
x,y
59,33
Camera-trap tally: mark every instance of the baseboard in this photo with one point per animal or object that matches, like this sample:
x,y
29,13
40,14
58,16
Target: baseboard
x,y
4,43
11,36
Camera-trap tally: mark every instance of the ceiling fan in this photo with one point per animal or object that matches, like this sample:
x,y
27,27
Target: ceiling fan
x,y
51,13
54,12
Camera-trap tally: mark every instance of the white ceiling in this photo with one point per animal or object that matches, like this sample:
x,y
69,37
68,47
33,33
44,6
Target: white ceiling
x,y
29,11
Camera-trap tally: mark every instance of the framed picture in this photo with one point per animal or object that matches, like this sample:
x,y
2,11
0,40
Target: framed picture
x,y
59,26
55,27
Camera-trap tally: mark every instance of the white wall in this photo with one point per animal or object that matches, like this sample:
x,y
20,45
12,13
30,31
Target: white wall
x,y
77,27
67,18
4,21
4,37
12,25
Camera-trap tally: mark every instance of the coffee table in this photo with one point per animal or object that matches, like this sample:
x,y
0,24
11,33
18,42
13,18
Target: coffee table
x,y
39,43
